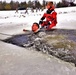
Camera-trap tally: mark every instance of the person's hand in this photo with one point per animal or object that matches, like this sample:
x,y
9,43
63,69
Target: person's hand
x,y
40,22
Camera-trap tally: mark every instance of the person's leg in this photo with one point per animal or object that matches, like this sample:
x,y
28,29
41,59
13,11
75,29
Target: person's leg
x,y
45,23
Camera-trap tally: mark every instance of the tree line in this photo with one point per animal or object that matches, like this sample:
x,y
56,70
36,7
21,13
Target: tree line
x,y
31,4
23,5
66,3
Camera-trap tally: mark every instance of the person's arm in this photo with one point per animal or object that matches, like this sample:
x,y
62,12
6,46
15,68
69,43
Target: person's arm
x,y
41,20
53,22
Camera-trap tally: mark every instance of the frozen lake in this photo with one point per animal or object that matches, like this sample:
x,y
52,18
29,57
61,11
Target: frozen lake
x,y
15,60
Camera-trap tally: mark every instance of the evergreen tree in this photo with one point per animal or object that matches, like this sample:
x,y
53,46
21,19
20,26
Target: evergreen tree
x,y
1,8
12,4
30,4
3,5
44,3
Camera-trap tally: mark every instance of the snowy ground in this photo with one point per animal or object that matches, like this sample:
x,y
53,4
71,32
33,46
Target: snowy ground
x,y
12,23
19,61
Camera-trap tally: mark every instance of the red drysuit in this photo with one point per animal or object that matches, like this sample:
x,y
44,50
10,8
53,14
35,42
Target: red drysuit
x,y
51,19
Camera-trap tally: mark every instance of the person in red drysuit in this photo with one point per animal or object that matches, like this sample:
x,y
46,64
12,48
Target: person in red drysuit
x,y
50,16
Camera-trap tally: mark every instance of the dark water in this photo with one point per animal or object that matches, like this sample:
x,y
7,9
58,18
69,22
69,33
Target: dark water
x,y
71,34
18,40
24,38
72,37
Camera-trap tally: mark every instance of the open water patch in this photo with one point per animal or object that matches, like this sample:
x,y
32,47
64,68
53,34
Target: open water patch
x,y
28,38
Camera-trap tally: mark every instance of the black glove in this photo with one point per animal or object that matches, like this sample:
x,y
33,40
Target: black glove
x,y
40,22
